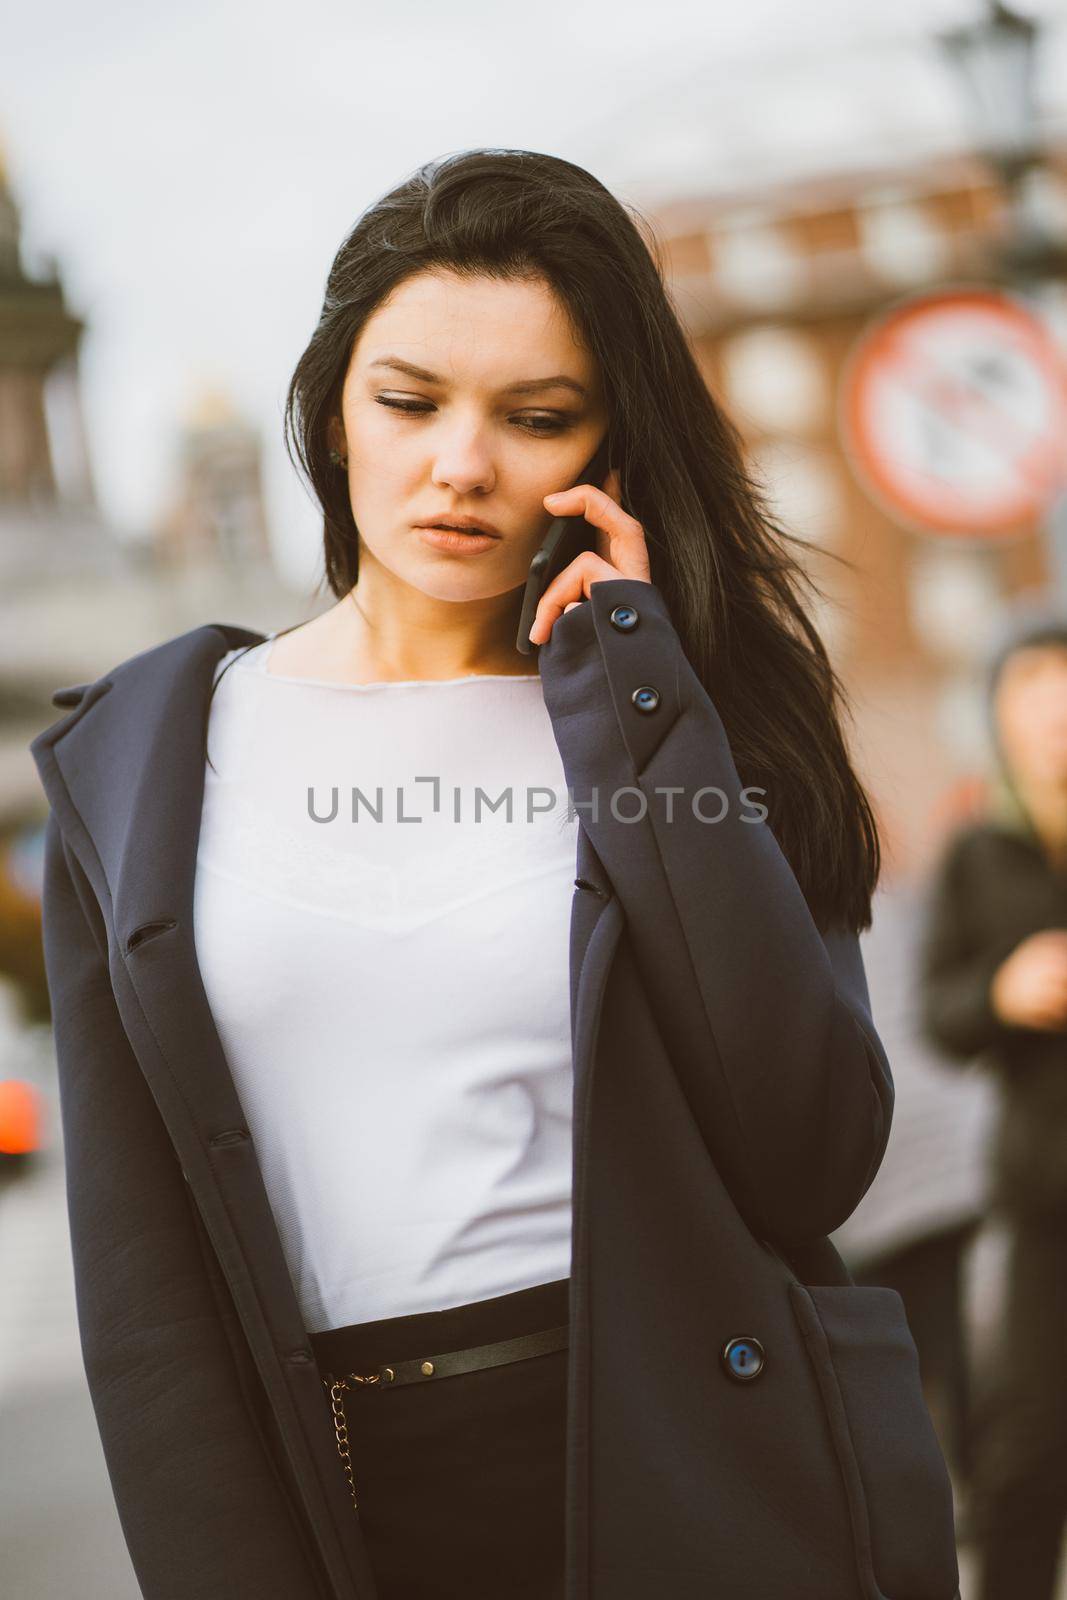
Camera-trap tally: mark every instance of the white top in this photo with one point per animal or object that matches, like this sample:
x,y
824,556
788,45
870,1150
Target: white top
x,y
393,995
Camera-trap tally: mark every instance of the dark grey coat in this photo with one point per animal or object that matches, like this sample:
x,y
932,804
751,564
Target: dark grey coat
x,y
732,1102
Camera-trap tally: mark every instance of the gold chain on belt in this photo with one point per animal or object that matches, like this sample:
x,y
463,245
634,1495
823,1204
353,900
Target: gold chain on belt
x,y
336,1387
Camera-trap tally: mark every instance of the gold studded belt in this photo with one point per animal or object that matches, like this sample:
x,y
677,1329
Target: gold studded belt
x,y
425,1369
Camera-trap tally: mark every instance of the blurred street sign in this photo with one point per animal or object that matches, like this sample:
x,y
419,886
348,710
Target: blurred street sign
x,y
953,414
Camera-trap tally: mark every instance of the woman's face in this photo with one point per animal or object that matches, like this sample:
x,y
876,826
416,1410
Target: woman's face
x,y
1031,712
504,406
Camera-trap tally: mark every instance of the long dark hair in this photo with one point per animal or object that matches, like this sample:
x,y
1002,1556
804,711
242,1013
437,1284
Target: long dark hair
x,y
730,580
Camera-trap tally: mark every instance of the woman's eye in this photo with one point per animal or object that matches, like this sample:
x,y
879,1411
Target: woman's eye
x,y
546,424
412,407
543,423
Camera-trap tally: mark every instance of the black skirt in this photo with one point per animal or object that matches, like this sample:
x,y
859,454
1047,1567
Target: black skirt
x,y
460,1481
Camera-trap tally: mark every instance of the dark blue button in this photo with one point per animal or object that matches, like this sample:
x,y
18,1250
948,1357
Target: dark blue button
x,y
646,698
743,1359
624,617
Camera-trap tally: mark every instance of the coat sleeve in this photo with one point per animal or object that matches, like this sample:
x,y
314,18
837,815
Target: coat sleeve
x,y
956,964
200,1502
766,1016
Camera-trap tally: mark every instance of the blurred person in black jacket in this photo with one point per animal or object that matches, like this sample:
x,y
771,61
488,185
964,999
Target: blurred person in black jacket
x,y
914,1228
994,991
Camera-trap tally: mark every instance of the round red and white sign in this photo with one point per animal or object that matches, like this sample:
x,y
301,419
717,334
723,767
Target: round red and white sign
x,y
953,413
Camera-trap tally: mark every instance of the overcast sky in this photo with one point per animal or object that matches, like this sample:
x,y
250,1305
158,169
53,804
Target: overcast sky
x,y
194,167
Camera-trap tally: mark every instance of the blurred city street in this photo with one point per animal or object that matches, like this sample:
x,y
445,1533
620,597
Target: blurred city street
x,y
59,1533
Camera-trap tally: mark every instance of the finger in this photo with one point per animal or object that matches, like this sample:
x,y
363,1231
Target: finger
x,y
571,585
626,548
612,487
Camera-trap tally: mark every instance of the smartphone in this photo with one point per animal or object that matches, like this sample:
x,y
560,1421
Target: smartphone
x,y
566,538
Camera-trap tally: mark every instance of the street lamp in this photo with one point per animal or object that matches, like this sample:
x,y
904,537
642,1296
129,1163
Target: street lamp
x,y
995,56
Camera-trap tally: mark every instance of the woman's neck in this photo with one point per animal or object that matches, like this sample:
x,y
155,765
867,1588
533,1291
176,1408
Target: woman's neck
x,y
369,637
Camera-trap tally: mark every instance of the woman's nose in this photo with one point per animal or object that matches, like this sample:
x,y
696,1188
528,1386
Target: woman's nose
x,y
464,467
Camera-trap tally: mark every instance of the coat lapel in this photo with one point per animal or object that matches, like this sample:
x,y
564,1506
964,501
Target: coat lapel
x,y
126,781
123,773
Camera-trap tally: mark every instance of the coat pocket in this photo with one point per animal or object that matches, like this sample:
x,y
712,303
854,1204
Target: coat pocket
x,y
896,1481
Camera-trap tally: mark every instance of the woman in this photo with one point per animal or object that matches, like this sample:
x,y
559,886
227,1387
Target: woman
x,y
995,993
366,1348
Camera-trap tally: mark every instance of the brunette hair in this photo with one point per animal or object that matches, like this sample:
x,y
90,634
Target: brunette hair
x,y
725,567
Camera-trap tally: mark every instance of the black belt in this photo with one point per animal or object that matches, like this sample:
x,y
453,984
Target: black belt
x,y
424,1369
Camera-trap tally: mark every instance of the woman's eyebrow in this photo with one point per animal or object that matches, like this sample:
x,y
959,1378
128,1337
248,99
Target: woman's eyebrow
x,y
559,380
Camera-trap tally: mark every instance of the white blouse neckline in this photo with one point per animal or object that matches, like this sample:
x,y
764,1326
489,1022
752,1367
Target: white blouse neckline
x,y
391,683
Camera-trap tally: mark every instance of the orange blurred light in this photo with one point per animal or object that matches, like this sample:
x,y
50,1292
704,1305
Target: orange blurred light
x,y
20,1117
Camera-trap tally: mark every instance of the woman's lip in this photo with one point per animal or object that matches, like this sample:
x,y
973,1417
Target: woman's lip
x,y
461,543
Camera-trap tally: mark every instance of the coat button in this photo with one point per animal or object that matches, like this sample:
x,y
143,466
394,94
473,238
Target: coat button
x,y
743,1358
646,698
624,618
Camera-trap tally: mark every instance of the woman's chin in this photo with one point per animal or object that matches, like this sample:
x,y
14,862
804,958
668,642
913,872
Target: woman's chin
x,y
440,583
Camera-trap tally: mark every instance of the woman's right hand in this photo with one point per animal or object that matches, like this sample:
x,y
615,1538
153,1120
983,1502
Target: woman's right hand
x,y
1029,988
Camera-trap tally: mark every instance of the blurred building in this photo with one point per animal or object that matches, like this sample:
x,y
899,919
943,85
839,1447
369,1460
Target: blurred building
x,y
75,597
39,339
52,537
218,512
49,525
775,286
